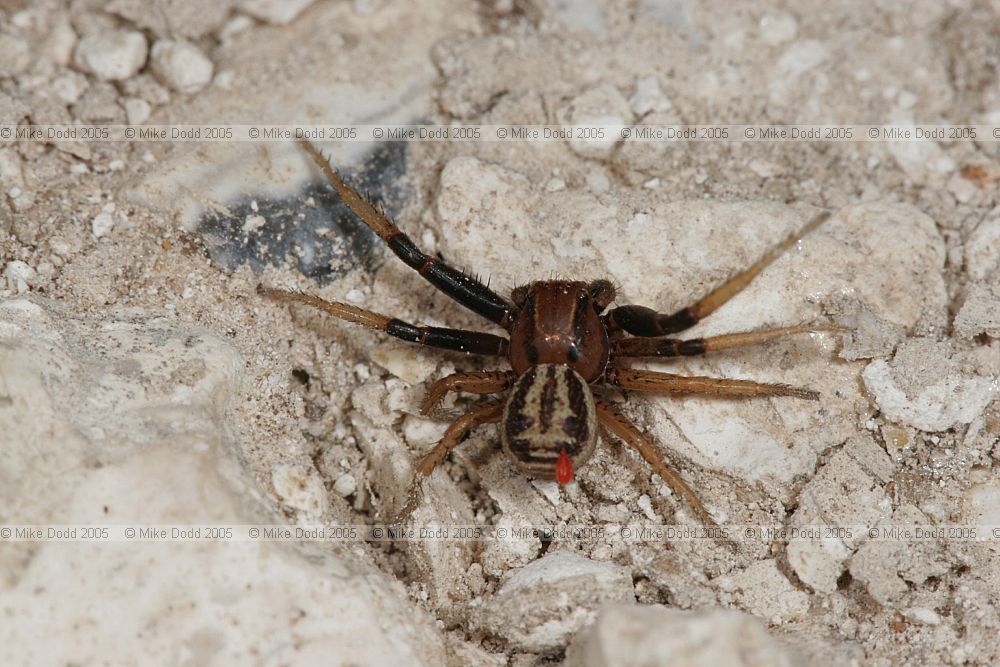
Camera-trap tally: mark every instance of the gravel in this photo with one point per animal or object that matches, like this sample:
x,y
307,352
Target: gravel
x,y
142,380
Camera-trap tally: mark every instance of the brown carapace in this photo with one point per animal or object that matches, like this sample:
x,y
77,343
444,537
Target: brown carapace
x,y
565,341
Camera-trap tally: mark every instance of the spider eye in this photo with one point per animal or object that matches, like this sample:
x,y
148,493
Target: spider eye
x,y
573,353
533,354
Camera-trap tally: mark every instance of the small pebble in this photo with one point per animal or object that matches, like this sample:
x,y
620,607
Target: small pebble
x,y
181,65
646,505
923,615
345,485
19,275
102,224
60,42
224,79
648,97
278,12
421,432
543,604
252,223
764,168
555,185
403,362
910,391
137,110
597,111
70,86
113,55
234,26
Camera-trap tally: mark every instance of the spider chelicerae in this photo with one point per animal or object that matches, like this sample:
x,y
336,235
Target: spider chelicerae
x,y
564,341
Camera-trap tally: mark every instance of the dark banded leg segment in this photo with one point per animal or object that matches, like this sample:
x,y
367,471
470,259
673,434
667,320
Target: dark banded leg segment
x,y
673,347
485,382
642,321
667,383
460,340
610,418
464,289
487,413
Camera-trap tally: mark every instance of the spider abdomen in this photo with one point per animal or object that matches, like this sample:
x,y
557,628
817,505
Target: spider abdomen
x,y
549,425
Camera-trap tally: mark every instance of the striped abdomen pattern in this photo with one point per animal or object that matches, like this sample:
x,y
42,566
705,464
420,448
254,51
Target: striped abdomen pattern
x,y
549,410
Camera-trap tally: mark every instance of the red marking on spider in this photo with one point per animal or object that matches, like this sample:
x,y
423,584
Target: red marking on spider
x,y
564,468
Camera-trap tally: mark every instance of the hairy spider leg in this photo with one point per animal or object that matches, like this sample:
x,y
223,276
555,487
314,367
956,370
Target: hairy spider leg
x,y
646,322
461,287
486,413
614,421
667,383
460,340
482,382
675,347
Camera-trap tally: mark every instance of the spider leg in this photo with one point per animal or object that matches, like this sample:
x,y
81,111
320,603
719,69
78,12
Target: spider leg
x,y
614,421
642,321
484,382
461,340
675,347
487,413
464,289
667,383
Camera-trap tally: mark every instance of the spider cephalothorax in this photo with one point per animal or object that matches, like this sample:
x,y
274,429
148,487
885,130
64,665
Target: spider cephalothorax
x,y
565,342
559,322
